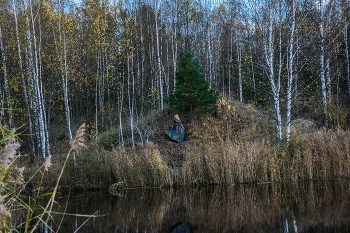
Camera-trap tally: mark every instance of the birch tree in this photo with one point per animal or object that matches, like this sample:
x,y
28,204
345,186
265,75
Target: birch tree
x,y
291,57
321,6
35,81
23,82
266,20
62,57
330,23
347,57
38,102
4,93
345,11
159,65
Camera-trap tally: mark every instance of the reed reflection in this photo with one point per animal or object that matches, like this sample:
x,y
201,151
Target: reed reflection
x,y
298,207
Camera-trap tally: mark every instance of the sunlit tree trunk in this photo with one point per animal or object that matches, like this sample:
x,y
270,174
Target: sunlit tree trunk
x,y
37,102
120,106
174,43
105,64
131,93
97,95
5,94
322,75
209,53
2,89
290,80
328,77
252,69
24,85
230,65
62,57
266,18
45,125
275,83
159,63
347,57
239,60
65,93
322,72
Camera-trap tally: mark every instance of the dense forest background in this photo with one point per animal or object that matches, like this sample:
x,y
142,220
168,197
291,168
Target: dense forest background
x,y
111,62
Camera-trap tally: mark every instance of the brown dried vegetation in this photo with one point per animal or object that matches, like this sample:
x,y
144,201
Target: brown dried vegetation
x,y
237,145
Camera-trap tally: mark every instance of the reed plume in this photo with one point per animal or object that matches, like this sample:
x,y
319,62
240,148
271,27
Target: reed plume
x,y
10,175
76,145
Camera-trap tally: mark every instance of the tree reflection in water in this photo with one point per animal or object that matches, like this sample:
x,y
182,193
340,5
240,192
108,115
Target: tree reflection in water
x,y
318,206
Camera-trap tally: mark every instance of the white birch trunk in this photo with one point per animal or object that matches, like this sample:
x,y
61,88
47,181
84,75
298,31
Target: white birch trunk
x,y
328,77
65,93
167,72
322,74
45,125
39,92
64,74
175,47
62,56
239,58
347,57
130,99
174,57
275,84
252,69
142,70
209,55
31,133
97,96
120,108
6,93
2,89
230,64
30,72
159,67
290,73
37,104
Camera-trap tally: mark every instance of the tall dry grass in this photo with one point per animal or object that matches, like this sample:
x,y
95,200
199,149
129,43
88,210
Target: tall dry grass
x,y
139,166
229,162
236,146
11,177
320,154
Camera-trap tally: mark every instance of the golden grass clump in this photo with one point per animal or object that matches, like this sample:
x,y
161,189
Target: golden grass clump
x,y
237,145
331,153
229,162
319,154
140,166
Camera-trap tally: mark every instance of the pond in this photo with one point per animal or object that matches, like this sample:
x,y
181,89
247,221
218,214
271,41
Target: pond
x,y
318,206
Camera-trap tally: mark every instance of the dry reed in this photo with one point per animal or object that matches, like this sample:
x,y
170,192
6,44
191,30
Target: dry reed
x,y
11,176
139,166
238,146
230,208
76,145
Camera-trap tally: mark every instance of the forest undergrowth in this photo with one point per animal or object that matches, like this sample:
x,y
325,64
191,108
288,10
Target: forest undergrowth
x,y
235,145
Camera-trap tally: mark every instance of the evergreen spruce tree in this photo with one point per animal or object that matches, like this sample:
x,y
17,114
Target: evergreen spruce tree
x,y
192,91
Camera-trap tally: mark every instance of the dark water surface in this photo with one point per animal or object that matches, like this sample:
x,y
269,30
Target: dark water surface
x,y
317,206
